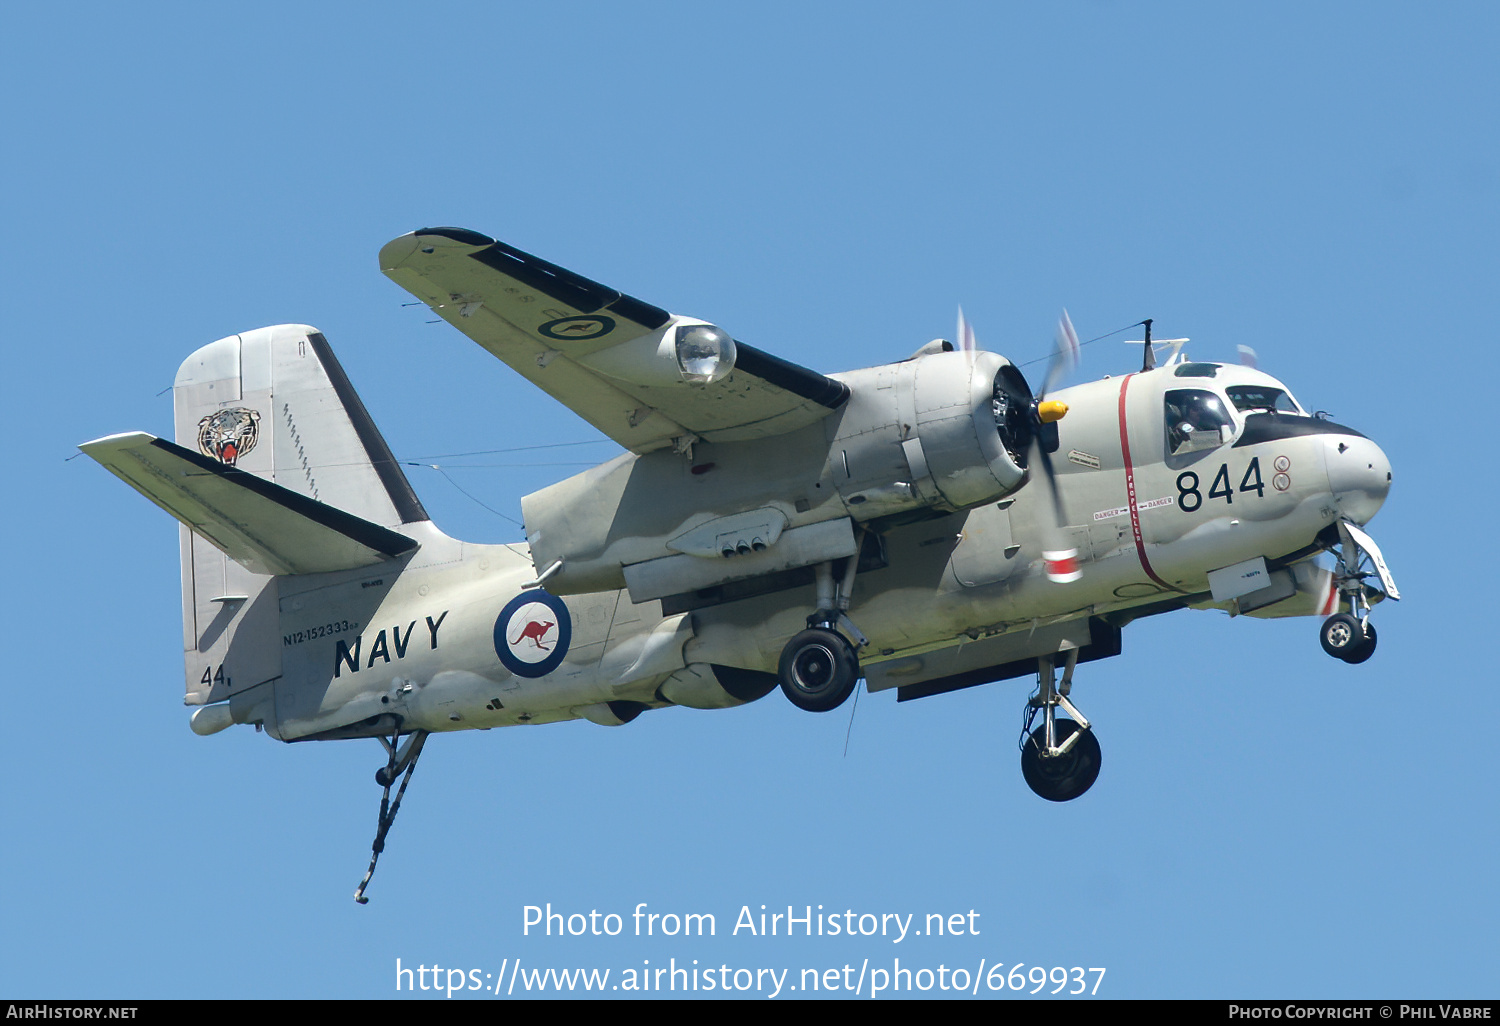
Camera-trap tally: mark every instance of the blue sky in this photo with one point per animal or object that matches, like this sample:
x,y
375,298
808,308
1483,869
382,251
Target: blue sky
x,y
828,182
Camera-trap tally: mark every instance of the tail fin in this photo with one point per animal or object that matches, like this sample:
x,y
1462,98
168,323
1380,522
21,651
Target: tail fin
x,y
273,403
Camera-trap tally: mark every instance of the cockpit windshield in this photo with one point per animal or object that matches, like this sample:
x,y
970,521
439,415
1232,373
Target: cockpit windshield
x,y
1260,399
1196,420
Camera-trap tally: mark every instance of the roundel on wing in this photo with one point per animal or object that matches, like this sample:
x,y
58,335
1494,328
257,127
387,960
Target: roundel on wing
x,y
532,633
578,329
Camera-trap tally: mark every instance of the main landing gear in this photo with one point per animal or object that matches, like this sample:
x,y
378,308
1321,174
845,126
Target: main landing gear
x,y
1351,636
819,667
1059,759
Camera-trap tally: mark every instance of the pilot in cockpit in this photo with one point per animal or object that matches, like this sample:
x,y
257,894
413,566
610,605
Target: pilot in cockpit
x,y
1196,420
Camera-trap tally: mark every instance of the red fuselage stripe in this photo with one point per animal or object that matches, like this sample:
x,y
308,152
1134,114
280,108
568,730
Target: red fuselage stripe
x,y
1130,496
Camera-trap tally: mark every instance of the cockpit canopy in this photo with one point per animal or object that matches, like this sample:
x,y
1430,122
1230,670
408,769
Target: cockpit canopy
x,y
1207,416
1196,420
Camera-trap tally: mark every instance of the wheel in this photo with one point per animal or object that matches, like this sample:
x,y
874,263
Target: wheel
x,y
818,670
1063,777
1363,649
1343,637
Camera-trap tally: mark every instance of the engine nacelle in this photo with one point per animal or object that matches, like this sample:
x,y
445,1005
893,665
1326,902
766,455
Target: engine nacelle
x,y
945,431
707,686
611,714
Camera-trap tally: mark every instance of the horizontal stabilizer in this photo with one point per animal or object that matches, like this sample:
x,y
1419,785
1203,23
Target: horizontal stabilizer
x,y
262,526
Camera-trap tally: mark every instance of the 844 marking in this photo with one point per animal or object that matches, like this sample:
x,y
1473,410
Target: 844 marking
x,y
1190,499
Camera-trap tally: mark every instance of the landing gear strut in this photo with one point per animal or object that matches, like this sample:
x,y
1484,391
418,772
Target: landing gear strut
x,y
1059,759
1351,636
401,758
819,668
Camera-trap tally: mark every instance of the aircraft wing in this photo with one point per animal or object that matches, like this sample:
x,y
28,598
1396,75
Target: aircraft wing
x,y
603,354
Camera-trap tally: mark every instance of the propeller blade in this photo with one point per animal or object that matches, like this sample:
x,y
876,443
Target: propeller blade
x,y
966,341
1061,559
1062,565
1064,354
1058,513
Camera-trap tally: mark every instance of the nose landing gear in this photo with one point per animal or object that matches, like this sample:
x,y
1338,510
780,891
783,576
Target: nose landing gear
x,y
1351,636
1348,637
1059,759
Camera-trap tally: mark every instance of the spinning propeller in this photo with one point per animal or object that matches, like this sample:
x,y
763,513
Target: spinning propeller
x,y
1030,422
1061,558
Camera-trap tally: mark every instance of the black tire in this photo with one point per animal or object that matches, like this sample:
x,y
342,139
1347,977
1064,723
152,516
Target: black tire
x,y
1063,777
818,670
1341,636
1364,649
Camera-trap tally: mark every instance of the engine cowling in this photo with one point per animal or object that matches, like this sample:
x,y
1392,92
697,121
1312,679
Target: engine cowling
x,y
946,431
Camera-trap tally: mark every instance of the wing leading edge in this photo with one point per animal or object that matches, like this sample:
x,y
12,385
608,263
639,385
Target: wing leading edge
x,y
605,355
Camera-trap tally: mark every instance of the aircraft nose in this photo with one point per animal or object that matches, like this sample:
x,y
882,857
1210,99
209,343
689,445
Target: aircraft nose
x,y
1359,475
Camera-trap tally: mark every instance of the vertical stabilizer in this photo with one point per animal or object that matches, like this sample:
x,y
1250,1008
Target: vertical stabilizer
x,y
274,403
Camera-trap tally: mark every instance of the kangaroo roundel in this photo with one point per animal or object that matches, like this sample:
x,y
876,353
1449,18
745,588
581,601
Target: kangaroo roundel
x,y
532,634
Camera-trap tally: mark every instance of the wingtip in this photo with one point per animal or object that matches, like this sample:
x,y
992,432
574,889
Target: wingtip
x,y
113,443
396,252
461,235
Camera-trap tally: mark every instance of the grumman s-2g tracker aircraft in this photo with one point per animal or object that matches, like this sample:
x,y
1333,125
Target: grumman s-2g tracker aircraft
x,y
925,525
